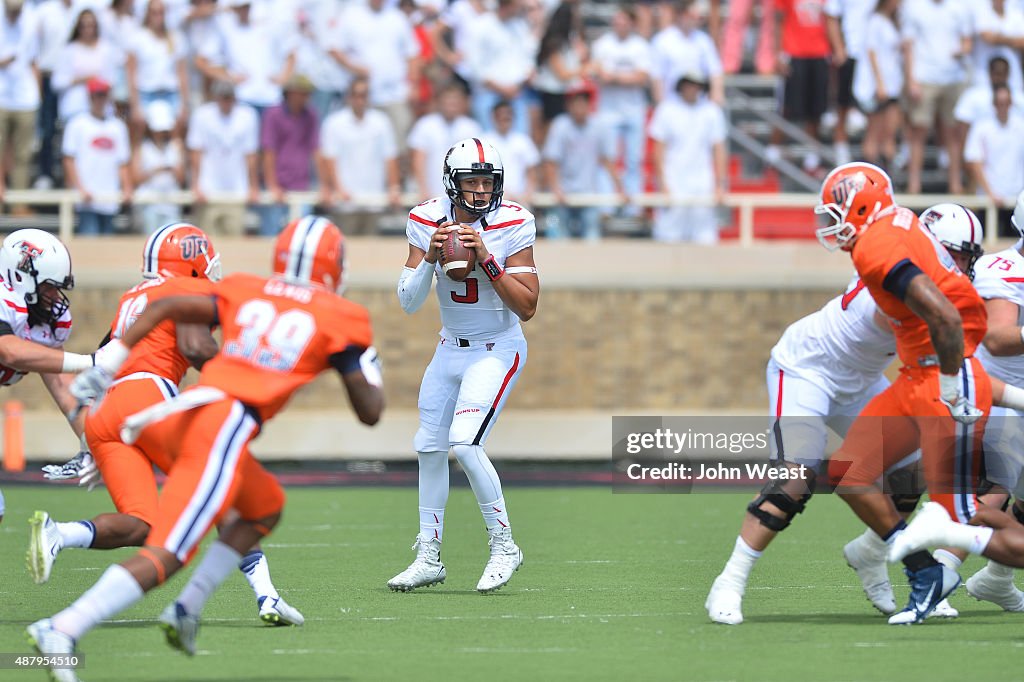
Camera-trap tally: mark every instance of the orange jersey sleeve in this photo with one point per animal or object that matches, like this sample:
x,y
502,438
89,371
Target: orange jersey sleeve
x,y
278,337
884,252
158,352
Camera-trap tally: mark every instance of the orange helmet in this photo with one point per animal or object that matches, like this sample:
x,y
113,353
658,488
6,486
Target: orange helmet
x,y
310,251
180,250
852,195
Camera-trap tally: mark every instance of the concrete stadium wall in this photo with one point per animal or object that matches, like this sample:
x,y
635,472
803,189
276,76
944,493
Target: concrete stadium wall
x,y
623,327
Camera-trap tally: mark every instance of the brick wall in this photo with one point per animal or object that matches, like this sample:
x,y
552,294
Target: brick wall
x,y
590,348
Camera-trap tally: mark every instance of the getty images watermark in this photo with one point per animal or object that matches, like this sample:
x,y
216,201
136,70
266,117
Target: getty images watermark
x,y
695,454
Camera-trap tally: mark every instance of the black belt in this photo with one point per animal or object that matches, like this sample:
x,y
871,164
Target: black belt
x,y
463,343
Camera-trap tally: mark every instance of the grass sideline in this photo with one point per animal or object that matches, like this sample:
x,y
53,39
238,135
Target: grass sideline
x,y
613,588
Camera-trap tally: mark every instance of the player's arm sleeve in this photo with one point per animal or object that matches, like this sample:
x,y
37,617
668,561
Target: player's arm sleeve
x,y
898,278
414,286
997,287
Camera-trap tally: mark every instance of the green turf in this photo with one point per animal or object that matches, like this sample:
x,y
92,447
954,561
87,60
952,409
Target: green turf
x,y
612,589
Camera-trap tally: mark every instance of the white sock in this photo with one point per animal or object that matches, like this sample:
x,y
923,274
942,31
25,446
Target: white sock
x,y
872,544
432,523
999,570
77,534
433,483
947,558
973,539
737,569
495,514
115,591
217,564
257,571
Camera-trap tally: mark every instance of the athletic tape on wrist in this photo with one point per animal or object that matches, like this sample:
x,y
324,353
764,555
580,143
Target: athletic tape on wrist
x,y
492,269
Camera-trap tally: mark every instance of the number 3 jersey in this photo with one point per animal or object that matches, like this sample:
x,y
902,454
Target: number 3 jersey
x,y
14,313
472,309
278,337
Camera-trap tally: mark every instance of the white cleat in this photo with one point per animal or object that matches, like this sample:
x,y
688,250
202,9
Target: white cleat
x,y
506,558
276,611
873,574
50,642
179,628
45,542
944,610
724,603
986,586
927,529
425,571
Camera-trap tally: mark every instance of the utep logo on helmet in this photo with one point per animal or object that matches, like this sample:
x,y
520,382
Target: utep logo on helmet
x,y
847,186
192,246
28,252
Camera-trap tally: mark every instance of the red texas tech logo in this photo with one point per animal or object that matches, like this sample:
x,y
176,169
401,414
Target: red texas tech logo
x,y
193,246
842,190
28,252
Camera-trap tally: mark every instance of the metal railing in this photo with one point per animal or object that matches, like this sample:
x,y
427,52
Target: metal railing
x,y
745,204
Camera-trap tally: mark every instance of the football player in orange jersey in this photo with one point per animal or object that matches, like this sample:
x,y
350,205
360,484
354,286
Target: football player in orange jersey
x,y
943,395
173,259
278,335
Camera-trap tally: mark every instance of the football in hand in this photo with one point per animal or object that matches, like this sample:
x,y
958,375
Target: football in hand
x,y
457,260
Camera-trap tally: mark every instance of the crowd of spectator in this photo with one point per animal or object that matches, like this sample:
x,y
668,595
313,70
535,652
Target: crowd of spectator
x,y
352,99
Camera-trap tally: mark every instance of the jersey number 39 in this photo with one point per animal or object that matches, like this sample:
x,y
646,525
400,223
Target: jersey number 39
x,y
270,339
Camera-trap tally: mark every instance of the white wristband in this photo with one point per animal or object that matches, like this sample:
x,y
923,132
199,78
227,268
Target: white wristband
x,y
111,356
74,363
949,386
369,363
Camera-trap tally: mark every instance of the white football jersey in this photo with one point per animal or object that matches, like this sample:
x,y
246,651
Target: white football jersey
x,y
14,312
472,309
840,347
1001,275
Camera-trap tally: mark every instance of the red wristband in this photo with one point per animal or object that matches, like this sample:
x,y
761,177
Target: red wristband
x,y
492,269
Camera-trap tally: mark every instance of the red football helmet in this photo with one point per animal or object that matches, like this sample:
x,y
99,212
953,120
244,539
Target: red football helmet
x,y
180,250
852,195
311,251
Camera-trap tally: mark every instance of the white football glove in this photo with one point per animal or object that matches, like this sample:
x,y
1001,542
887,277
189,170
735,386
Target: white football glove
x,y
962,409
88,388
82,466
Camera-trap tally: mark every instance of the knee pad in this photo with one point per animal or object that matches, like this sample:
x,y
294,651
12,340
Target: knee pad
x,y
464,452
776,494
903,490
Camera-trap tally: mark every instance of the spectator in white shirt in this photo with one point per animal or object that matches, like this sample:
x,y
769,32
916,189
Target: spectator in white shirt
x,y
683,48
223,143
19,94
378,42
561,64
500,55
253,55
434,134
457,20
577,149
157,68
159,166
318,27
846,21
622,66
358,157
519,155
878,83
690,161
995,154
87,55
999,32
936,36
96,158
976,102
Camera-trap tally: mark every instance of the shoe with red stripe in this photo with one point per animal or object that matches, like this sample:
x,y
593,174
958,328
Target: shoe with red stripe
x,y
506,558
425,571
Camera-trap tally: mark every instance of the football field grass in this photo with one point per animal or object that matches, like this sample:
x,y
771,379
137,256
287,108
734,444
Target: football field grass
x,y
612,588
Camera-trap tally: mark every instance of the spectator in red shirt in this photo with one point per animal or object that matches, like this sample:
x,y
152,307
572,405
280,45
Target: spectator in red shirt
x,y
289,137
803,60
